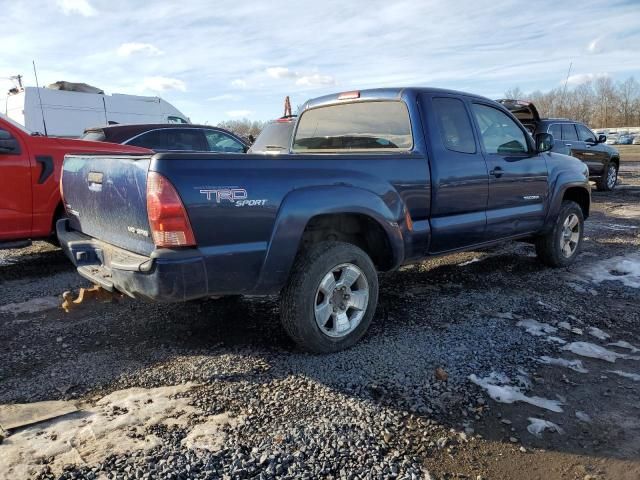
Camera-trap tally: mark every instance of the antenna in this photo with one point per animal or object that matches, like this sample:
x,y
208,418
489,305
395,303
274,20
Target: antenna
x,y
287,107
40,98
564,90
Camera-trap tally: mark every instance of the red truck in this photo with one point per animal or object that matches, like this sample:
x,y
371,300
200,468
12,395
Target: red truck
x,y
30,166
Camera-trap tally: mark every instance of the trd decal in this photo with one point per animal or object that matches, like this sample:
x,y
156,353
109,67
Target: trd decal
x,y
234,195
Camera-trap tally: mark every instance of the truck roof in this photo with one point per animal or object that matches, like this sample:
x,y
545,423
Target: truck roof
x,y
382,94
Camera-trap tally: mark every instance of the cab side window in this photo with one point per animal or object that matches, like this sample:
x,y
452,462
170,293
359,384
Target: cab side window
x,y
8,143
454,125
584,134
569,132
499,133
220,142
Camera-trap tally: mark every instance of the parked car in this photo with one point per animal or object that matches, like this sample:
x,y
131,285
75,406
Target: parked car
x,y
30,167
375,179
636,140
163,138
612,140
572,138
68,112
625,139
275,137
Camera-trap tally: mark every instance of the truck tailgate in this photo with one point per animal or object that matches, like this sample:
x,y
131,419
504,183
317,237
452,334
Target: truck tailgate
x,y
105,198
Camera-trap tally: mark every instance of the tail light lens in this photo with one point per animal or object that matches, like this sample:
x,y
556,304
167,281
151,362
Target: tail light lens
x,y
168,219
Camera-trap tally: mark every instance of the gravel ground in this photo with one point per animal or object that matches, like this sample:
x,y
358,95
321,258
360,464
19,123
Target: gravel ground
x,y
400,404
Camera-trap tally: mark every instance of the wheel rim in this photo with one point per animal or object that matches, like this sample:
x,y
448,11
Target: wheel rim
x,y
612,176
341,300
570,235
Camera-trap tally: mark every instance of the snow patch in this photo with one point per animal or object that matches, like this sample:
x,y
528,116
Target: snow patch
x,y
556,340
575,365
211,435
633,376
31,306
116,424
567,326
583,417
536,328
469,262
624,344
511,394
591,350
621,269
538,425
596,332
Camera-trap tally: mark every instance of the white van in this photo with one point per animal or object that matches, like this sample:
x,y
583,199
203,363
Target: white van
x,y
69,113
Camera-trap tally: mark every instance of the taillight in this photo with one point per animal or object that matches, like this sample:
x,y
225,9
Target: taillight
x,y
168,219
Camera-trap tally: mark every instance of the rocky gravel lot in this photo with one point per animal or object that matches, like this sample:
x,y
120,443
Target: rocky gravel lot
x,y
456,379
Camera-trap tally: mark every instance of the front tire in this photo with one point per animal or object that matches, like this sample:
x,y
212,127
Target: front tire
x,y
609,178
560,246
330,298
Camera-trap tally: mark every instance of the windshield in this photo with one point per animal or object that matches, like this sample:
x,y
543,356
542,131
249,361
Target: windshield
x,y
274,138
359,126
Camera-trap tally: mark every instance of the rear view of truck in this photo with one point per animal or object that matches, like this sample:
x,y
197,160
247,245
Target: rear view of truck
x,y
119,215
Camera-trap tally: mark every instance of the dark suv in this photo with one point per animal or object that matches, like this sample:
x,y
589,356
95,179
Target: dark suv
x,y
170,137
572,138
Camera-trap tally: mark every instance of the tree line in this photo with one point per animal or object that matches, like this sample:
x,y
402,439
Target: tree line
x,y
244,128
599,103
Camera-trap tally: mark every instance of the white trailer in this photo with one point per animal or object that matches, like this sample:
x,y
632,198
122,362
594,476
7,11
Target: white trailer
x,y
69,113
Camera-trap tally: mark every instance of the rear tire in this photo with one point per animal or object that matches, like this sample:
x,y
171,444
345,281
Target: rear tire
x,y
560,246
330,298
609,178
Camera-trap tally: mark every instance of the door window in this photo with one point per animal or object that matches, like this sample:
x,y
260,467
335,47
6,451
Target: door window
x,y
154,140
499,133
584,134
454,125
569,132
185,139
221,142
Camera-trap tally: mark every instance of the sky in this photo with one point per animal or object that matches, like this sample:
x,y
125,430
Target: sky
x,y
221,60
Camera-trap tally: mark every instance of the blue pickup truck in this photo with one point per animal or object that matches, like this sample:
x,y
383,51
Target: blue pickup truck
x,y
374,179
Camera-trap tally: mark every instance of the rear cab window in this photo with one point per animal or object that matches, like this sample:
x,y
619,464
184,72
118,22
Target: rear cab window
x,y
363,126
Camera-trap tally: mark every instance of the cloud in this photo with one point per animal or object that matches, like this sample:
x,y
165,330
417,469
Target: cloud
x,y
127,49
223,97
595,46
315,80
239,113
311,80
280,72
581,78
162,84
81,7
239,83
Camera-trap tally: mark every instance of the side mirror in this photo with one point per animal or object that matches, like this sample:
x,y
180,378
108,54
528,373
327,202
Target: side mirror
x,y
544,142
602,138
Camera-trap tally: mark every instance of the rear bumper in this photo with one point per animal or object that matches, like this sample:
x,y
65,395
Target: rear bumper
x,y
173,276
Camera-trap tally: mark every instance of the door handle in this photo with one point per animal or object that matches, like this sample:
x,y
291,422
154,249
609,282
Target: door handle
x,y
568,144
496,172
